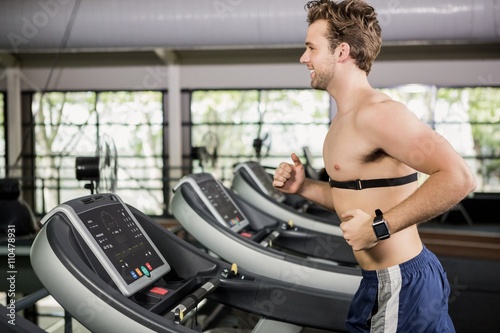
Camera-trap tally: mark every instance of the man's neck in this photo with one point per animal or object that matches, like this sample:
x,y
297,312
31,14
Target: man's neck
x,y
349,91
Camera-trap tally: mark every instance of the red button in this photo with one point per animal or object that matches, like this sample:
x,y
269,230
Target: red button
x,y
149,266
246,235
159,291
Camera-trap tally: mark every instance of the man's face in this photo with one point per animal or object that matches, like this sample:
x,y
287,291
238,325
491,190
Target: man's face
x,y
318,56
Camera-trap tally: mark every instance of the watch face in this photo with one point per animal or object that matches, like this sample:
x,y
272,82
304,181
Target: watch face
x,y
381,229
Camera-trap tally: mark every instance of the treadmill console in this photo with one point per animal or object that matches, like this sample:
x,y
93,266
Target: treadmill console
x,y
261,179
117,240
214,195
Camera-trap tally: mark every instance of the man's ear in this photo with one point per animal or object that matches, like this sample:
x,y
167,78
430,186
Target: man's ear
x,y
344,50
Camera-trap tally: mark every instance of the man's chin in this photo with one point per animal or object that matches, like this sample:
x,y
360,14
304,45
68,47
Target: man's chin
x,y
317,86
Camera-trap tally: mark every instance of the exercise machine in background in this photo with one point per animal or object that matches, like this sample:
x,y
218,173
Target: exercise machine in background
x,y
252,182
115,269
238,231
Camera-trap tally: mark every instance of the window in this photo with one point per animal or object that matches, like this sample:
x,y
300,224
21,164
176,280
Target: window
x,y
288,120
231,120
69,124
469,118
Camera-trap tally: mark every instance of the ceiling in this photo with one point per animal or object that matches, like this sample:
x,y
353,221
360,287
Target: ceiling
x,y
129,32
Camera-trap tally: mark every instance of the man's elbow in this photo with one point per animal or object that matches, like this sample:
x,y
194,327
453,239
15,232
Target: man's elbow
x,y
469,182
473,184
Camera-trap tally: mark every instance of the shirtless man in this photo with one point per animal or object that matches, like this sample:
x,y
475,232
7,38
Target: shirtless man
x,y
373,137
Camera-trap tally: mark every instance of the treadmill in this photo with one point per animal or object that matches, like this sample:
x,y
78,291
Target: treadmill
x,y
114,269
251,181
240,232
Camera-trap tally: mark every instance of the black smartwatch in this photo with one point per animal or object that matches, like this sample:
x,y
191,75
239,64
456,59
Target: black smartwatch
x,y
380,226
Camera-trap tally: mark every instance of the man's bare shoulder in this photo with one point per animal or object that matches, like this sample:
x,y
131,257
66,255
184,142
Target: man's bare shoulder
x,y
380,101
380,108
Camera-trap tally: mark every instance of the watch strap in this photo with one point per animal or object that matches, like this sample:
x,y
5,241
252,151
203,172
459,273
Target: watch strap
x,y
377,221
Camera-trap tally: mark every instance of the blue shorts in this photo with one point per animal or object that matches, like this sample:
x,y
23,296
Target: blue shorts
x,y
410,297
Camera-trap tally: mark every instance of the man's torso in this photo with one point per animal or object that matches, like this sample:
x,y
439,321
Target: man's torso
x,y
348,155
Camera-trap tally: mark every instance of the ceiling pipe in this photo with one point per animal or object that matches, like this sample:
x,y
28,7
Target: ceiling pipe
x,y
218,24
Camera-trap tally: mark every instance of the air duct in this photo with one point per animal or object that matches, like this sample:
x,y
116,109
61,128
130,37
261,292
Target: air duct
x,y
187,24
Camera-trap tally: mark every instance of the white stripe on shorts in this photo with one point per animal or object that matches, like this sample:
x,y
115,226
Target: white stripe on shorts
x,y
389,287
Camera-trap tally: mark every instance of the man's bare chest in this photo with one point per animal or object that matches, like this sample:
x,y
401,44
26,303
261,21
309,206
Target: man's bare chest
x,y
348,153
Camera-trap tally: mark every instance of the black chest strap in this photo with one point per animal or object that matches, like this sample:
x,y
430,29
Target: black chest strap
x,y
359,184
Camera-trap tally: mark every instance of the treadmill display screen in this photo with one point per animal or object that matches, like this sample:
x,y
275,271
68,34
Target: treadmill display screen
x,y
265,182
222,205
122,241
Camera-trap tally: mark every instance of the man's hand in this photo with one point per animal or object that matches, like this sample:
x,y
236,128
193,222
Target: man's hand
x,y
289,178
358,230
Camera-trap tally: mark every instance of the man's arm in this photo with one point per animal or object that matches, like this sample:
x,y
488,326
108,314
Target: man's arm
x,y
290,178
420,147
405,138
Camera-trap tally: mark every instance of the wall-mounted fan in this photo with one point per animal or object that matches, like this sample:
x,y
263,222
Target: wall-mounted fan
x,y
101,170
